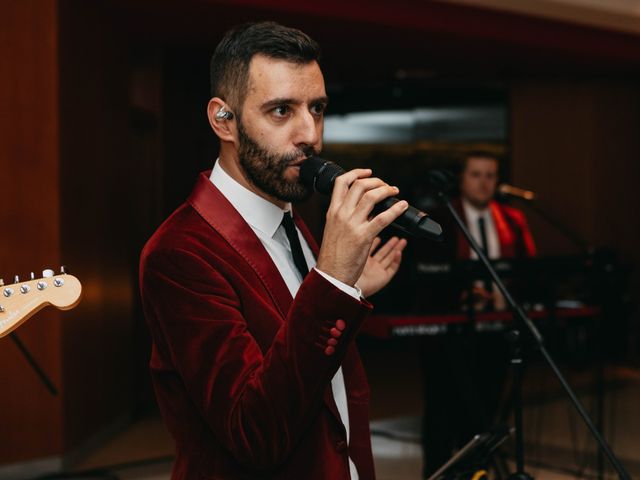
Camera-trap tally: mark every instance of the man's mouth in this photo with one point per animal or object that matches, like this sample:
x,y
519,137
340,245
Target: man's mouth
x,y
298,163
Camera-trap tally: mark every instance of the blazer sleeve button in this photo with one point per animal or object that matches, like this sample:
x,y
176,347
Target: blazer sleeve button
x,y
335,332
329,351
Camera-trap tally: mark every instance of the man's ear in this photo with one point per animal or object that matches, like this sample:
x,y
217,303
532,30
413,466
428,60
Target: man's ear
x,y
221,119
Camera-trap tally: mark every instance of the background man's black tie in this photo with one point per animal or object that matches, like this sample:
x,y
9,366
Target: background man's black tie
x,y
483,236
294,242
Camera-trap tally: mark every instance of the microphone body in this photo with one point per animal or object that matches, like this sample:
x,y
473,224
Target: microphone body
x,y
510,190
321,174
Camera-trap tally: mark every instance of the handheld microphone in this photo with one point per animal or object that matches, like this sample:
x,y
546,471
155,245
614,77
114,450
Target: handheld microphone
x,y
320,175
510,190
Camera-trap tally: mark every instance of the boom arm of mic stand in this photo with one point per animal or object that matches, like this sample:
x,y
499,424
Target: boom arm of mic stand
x,y
519,313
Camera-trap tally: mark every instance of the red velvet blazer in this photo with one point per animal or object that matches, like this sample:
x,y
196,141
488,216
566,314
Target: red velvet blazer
x,y
241,370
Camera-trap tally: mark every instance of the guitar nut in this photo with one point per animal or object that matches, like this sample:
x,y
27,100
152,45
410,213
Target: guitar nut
x,y
58,282
8,292
42,285
25,288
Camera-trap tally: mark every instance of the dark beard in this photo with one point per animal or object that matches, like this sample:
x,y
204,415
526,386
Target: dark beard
x,y
266,170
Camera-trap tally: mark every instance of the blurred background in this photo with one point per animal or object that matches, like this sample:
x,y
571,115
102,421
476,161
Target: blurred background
x,y
103,131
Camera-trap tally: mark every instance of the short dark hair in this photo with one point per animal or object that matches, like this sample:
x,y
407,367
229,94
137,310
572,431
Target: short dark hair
x,y
478,154
229,67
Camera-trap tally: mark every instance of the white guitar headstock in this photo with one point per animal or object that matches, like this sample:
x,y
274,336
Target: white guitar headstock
x,y
20,300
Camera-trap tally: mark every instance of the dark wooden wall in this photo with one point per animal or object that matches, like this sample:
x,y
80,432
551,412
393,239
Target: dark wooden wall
x,y
103,200
576,143
32,420
75,195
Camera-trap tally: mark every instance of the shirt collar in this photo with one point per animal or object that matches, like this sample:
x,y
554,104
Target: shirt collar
x,y
258,212
472,212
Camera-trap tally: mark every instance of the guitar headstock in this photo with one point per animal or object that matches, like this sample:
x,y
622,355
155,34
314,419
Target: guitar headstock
x,y
20,300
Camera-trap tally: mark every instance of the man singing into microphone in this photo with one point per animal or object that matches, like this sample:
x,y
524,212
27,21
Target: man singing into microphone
x,y
253,361
464,374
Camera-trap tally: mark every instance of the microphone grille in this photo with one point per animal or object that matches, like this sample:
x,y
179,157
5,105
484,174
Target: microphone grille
x,y
320,174
309,170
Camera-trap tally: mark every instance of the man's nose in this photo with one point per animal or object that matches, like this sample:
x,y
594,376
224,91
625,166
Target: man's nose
x,y
308,129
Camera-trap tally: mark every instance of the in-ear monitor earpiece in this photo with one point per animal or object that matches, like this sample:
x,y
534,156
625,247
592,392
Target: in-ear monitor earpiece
x,y
222,114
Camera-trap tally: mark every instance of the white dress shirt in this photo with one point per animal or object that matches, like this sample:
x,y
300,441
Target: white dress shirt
x,y
493,243
473,214
265,219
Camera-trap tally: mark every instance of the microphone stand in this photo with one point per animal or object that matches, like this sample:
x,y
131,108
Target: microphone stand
x,y
525,321
590,251
33,364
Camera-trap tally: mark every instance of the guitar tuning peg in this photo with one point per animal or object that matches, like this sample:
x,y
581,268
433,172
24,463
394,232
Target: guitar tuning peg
x,y
48,273
33,277
1,282
16,279
63,270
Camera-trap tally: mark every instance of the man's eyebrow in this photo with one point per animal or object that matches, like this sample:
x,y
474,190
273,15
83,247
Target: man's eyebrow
x,y
324,99
292,101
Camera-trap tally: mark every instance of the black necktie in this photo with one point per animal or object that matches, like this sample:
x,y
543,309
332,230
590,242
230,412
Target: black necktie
x,y
294,242
483,236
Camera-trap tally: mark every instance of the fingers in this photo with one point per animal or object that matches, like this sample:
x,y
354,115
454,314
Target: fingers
x,y
395,257
355,194
390,254
358,200
386,218
394,263
344,181
365,209
365,193
374,245
386,248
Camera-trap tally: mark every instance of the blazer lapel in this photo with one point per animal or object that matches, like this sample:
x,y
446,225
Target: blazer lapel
x,y
218,212
505,235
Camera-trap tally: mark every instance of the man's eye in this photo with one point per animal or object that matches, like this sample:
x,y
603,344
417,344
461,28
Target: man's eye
x,y
318,108
281,110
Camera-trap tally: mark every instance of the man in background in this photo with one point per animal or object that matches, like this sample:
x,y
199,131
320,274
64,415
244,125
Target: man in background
x,y
464,373
500,230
